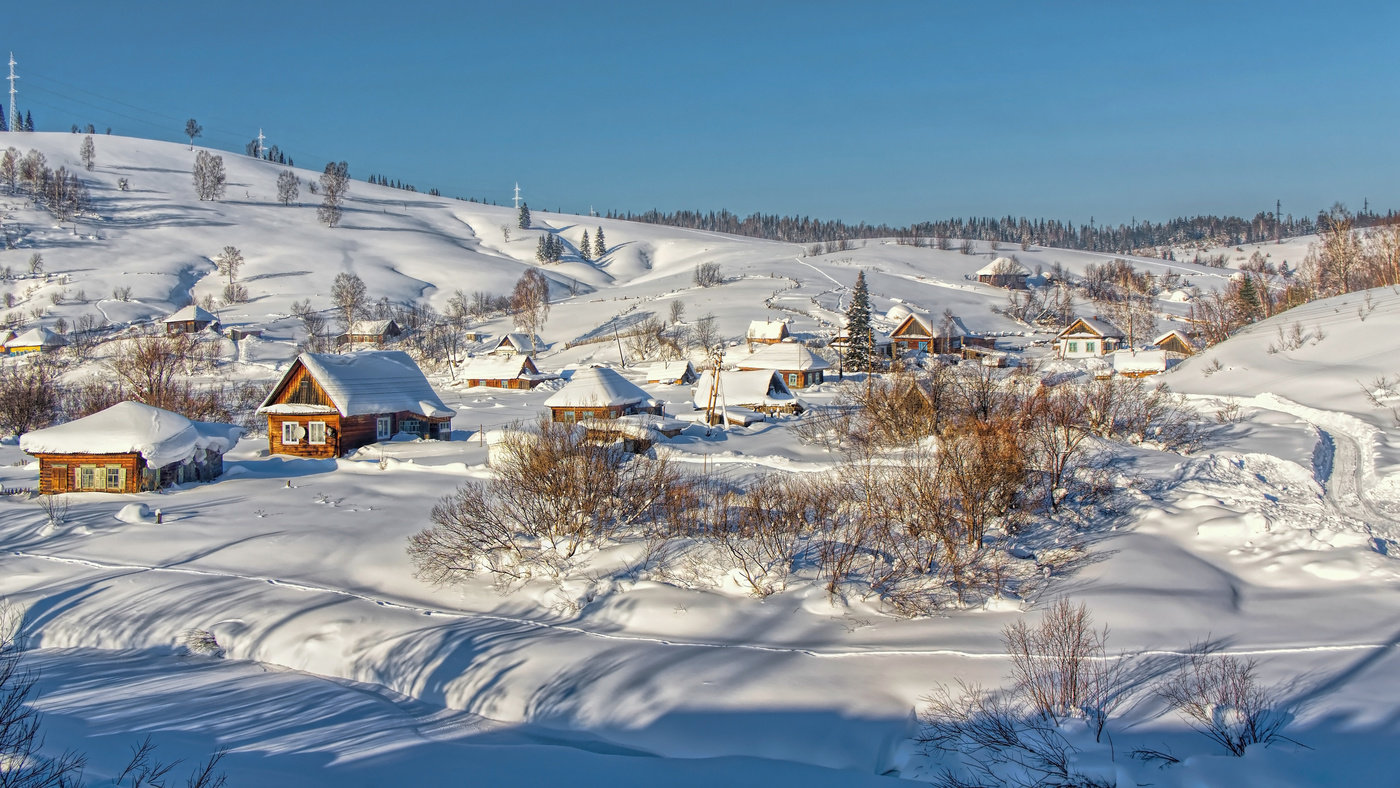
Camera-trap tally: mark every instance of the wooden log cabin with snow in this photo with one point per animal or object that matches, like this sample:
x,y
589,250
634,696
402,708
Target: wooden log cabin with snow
x,y
916,332
370,332
128,448
190,320
326,405
600,393
504,372
798,366
1088,337
766,332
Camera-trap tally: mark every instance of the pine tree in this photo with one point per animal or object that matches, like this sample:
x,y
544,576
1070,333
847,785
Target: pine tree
x,y
28,121
860,348
4,126
585,249
542,249
1248,298
524,216
600,247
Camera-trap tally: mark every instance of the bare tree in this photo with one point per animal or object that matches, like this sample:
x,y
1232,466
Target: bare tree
x,y
228,262
705,333
288,187
708,275
530,301
1220,696
88,153
677,310
335,182
192,130
505,232
210,180
29,397
350,296
9,168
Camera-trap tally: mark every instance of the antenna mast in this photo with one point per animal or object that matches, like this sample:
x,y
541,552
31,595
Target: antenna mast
x,y
12,91
517,195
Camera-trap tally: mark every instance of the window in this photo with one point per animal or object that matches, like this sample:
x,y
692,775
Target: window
x,y
1073,347
316,433
114,477
568,417
87,477
411,426
792,378
382,427
291,433
816,378
1088,347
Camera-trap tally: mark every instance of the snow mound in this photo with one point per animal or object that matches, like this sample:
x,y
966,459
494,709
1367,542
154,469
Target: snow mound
x,y
135,513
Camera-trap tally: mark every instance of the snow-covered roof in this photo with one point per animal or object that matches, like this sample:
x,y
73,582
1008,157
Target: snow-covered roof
x,y
502,368
669,370
365,383
372,328
192,312
597,387
642,426
521,342
37,337
898,312
767,329
1179,334
1003,266
159,436
746,388
1096,326
938,329
784,356
1139,360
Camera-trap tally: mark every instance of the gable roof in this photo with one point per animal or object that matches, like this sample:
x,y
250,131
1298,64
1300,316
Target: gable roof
x,y
370,327
925,321
37,337
160,436
1090,325
369,382
1003,266
757,387
597,387
192,312
785,356
502,368
767,329
1179,334
521,342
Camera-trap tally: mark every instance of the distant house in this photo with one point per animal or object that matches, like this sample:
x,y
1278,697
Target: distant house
x,y
240,333
841,343
762,391
1142,363
128,448
766,332
1176,341
600,393
370,332
1088,337
326,404
516,344
35,340
1004,272
799,366
917,332
503,372
637,432
189,320
673,373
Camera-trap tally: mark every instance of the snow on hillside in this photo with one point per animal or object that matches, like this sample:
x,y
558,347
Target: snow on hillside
x,y
1275,538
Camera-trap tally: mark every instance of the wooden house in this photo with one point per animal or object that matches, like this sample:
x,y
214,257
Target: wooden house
x,y
370,332
917,333
1088,337
600,393
326,404
1142,363
1004,272
35,340
766,332
841,343
189,320
763,391
516,344
672,373
637,432
128,448
240,333
1176,341
799,366
503,372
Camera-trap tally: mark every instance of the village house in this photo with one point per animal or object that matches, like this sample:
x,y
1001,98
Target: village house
x,y
1141,363
766,332
35,340
1088,337
762,391
326,404
503,372
192,319
128,448
672,373
516,344
637,433
600,393
917,332
1176,341
841,343
799,366
370,332
1004,272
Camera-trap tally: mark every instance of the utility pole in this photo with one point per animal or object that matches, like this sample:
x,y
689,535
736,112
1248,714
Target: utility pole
x,y
12,91
517,195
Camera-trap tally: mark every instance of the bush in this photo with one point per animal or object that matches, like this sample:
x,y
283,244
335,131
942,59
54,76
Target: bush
x,y
1220,696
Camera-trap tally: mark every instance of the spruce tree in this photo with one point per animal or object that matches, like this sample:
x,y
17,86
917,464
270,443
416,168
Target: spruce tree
x,y
860,347
28,121
600,247
543,249
524,216
1248,298
4,126
585,249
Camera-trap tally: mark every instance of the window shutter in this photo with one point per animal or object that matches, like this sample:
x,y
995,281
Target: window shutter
x,y
121,479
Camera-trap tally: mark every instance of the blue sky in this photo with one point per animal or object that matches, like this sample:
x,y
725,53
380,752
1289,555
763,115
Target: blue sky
x,y
867,111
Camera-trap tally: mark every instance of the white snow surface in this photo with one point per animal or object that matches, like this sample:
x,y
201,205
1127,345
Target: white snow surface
x,y
159,436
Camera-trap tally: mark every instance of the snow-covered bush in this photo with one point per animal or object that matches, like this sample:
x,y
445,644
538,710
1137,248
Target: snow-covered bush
x,y
200,643
1220,696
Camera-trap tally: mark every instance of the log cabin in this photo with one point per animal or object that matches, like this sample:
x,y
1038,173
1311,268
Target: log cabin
x,y
190,320
370,332
504,372
766,332
326,405
1004,272
762,391
1088,337
798,366
600,393
916,333
128,448
516,344
1176,341
672,373
35,340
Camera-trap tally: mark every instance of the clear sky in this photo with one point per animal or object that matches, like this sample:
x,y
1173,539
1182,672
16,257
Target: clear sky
x,y
863,111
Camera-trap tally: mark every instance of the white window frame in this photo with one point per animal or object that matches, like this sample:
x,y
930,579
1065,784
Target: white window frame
x,y
311,428
289,433
383,428
1089,346
792,378
87,473
109,472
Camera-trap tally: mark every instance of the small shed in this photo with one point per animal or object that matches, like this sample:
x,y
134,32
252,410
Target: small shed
x,y
370,332
189,320
1004,272
918,333
637,432
1176,341
35,340
1088,337
600,393
1141,363
128,448
673,373
799,366
503,372
516,344
766,332
762,390
328,404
